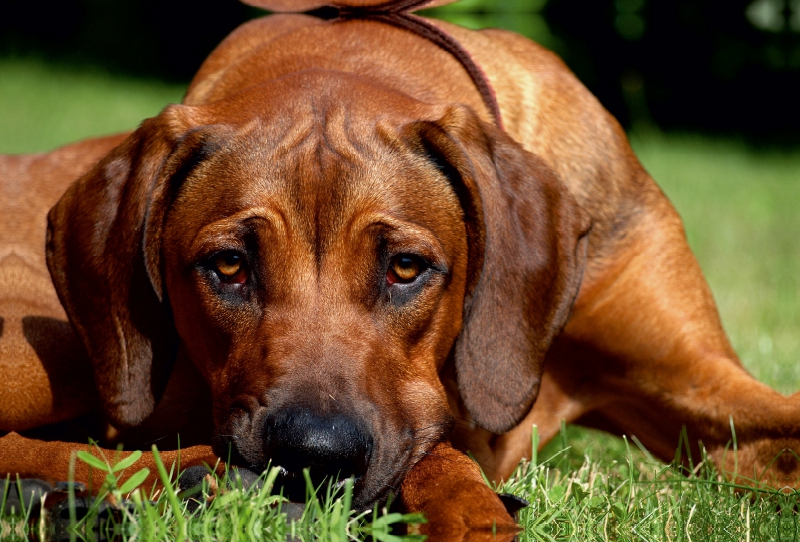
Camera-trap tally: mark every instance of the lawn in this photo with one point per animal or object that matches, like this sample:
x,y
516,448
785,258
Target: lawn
x,y
44,106
742,215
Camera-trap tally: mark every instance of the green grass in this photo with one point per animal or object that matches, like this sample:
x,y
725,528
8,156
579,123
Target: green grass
x,y
629,497
741,212
235,512
624,497
44,106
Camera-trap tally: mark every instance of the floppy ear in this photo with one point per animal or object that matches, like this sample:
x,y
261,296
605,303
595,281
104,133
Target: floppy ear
x,y
104,255
527,250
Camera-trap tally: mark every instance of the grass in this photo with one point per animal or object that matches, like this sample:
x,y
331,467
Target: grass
x,y
625,497
44,106
634,498
236,512
740,209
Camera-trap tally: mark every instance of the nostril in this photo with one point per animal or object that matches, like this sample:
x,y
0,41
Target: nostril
x,y
328,445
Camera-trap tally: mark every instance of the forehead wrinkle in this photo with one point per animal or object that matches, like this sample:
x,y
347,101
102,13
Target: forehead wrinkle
x,y
270,214
280,135
328,166
344,134
375,189
336,173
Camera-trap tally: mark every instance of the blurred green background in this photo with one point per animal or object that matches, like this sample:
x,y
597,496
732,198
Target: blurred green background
x,y
717,66
709,91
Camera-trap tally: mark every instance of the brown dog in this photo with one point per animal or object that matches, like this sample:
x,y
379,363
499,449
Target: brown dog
x,y
329,255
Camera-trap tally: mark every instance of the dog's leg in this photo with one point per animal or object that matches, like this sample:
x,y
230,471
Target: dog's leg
x,y
50,461
448,488
644,354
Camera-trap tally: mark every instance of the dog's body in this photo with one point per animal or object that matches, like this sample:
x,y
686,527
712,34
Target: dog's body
x,y
558,273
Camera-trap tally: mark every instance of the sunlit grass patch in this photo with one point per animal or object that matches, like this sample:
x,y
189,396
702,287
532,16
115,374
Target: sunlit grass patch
x,y
43,106
630,496
633,498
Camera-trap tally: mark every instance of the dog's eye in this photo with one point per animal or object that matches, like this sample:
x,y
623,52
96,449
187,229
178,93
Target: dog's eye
x,y
405,268
230,267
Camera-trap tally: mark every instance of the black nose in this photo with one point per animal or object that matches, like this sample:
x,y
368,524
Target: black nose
x,y
329,445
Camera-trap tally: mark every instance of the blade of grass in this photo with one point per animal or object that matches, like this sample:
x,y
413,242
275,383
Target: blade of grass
x,y
172,498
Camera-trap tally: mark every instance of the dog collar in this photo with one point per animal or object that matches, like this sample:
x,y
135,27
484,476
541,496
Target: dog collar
x,y
398,13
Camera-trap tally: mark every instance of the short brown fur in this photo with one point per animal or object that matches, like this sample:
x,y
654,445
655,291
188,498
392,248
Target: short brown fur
x,y
561,286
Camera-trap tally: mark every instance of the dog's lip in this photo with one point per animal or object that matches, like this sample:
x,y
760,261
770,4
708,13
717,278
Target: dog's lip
x,y
293,482
294,486
295,475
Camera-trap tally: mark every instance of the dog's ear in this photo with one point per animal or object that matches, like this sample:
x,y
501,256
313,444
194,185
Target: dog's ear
x,y
527,241
104,255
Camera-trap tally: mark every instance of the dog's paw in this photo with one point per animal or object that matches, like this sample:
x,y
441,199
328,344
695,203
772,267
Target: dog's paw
x,y
472,509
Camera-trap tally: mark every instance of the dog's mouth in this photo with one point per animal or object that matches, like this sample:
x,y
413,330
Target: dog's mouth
x,y
320,454
299,479
300,486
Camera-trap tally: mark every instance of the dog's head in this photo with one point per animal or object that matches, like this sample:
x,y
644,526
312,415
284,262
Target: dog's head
x,y
320,248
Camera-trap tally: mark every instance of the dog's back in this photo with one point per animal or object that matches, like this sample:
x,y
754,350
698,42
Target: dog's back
x,y
45,375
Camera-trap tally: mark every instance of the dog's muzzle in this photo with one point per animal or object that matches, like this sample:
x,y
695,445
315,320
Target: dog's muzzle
x,y
331,445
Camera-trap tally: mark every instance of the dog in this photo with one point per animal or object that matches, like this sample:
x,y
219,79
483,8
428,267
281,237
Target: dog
x,y
342,252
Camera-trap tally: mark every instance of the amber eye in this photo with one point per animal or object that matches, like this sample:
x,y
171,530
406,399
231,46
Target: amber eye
x,y
229,266
405,268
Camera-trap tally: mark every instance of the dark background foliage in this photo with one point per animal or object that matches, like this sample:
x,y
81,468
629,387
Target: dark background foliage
x,y
716,66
